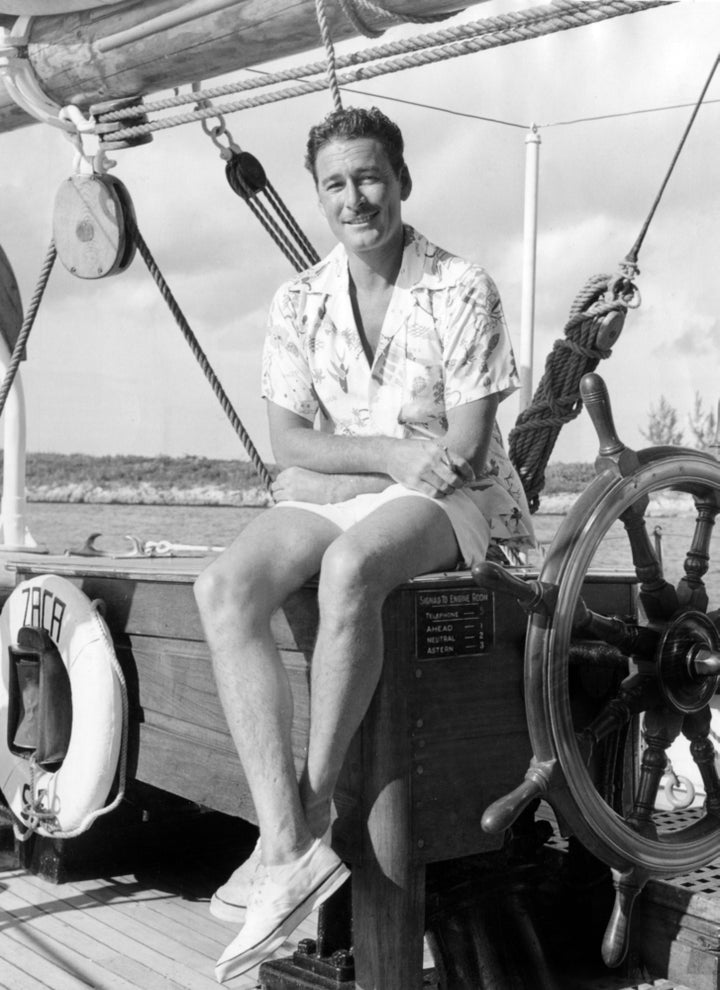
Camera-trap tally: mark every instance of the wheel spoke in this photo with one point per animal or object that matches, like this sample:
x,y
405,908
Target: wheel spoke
x,y
691,589
696,728
637,693
661,728
658,597
584,719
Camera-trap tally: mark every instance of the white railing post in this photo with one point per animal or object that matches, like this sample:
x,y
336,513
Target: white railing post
x,y
14,534
527,308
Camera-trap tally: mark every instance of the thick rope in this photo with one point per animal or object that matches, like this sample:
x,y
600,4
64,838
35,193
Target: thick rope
x,y
352,10
301,254
563,15
281,209
557,398
362,27
283,228
329,52
27,325
276,233
200,356
433,39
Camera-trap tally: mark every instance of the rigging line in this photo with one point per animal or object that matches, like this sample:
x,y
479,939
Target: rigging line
x,y
626,113
498,120
511,123
401,46
487,27
631,258
428,106
604,10
330,58
416,103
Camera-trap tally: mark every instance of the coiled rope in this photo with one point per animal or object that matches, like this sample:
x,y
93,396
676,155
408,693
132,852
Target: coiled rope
x,y
562,15
557,398
595,321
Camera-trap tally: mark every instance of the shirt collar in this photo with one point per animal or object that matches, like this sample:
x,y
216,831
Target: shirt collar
x,y
420,268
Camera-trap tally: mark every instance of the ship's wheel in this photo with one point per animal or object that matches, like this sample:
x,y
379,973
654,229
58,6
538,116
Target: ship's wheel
x,y
670,663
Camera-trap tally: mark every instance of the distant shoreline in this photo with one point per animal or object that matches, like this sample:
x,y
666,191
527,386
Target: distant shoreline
x,y
144,494
197,481
552,504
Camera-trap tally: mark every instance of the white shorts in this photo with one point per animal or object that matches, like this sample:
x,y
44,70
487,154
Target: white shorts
x,y
471,528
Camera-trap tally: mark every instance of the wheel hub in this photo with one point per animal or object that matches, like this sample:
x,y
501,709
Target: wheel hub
x,y
688,662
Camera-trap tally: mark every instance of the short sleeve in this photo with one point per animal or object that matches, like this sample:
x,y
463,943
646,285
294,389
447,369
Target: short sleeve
x,y
477,353
286,377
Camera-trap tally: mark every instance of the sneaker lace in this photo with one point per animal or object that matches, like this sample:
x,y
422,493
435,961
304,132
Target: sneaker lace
x,y
258,884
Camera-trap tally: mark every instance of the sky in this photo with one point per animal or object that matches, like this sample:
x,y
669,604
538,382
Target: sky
x,y
108,371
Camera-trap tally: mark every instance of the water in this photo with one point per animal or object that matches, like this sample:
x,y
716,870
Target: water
x,y
60,526
674,535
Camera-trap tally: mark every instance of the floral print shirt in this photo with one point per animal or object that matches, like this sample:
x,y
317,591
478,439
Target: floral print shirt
x,y
443,343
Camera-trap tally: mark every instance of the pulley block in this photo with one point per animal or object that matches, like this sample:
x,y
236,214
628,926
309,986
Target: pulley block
x,y
245,174
91,225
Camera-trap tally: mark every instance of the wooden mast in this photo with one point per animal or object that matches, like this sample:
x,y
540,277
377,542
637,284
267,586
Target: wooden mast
x,y
74,63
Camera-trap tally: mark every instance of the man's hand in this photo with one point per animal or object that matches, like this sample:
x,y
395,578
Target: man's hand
x,y
428,466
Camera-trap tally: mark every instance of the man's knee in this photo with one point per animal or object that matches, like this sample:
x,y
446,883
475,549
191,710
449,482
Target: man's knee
x,y
220,587
350,577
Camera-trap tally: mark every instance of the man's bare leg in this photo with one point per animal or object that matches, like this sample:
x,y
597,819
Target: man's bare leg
x,y
237,595
399,540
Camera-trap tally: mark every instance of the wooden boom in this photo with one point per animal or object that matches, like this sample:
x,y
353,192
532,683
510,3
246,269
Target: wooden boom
x,y
134,48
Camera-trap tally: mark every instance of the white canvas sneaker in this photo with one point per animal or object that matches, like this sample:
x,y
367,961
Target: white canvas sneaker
x,y
229,902
280,899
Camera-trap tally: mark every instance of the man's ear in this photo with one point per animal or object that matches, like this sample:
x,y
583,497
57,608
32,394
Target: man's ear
x,y
405,183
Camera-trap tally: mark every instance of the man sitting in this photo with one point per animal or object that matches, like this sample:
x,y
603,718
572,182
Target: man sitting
x,y
383,368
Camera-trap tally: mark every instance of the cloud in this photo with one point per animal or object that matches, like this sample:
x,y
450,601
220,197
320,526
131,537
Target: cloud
x,y
108,370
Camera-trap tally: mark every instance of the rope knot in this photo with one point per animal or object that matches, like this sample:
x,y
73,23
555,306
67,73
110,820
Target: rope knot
x,y
34,813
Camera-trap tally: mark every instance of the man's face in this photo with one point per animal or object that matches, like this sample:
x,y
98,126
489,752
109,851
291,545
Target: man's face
x,y
360,194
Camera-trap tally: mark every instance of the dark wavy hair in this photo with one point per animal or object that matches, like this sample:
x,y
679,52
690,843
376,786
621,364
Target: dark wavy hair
x,y
356,122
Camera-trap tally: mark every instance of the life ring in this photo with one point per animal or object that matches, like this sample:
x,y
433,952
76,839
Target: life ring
x,y
68,800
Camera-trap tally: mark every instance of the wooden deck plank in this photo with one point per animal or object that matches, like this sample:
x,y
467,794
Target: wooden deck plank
x,y
113,935
186,942
14,979
29,970
198,908
52,959
190,913
81,958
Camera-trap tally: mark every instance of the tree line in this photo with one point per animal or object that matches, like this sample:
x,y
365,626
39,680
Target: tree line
x,y
664,426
